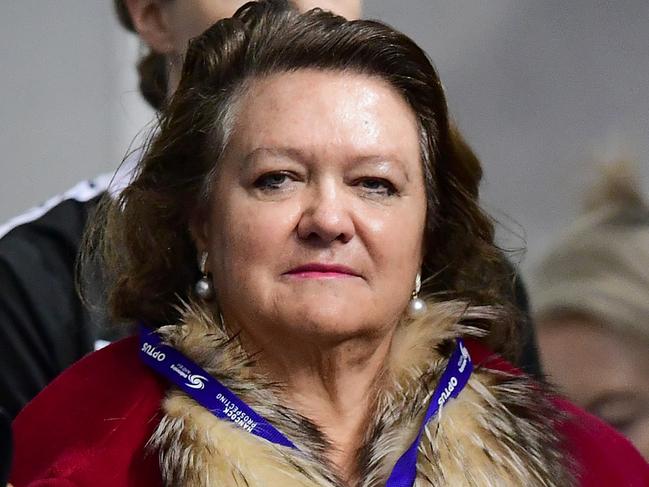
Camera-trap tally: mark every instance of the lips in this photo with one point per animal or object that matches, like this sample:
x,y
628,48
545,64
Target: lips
x,y
317,270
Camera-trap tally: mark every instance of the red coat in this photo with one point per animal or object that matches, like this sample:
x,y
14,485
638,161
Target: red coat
x,y
90,427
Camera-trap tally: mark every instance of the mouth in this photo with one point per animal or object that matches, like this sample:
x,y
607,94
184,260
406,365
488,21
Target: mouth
x,y
322,271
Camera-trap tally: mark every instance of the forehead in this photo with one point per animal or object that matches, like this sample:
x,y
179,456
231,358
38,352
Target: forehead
x,y
349,9
326,110
206,12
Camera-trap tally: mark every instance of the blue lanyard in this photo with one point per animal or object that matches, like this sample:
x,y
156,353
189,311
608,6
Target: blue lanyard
x,y
224,404
453,380
205,389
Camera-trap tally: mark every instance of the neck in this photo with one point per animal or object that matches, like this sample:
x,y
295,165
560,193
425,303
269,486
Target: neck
x,y
333,385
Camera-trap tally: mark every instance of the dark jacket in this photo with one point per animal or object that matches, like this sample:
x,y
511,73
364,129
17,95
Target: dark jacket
x,y
44,327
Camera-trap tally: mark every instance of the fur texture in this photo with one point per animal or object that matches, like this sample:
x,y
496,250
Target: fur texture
x,y
500,431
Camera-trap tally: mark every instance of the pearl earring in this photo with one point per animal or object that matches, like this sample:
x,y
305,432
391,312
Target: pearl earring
x,y
416,306
203,287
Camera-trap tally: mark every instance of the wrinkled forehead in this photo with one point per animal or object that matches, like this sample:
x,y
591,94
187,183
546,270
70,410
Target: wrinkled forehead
x,y
325,109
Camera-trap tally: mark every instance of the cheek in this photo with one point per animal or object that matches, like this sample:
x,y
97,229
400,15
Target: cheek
x,y
247,237
396,241
235,254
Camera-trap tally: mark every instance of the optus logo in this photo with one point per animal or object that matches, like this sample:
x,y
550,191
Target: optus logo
x,y
153,352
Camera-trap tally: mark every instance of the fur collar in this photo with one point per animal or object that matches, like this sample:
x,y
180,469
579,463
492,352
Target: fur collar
x,y
499,431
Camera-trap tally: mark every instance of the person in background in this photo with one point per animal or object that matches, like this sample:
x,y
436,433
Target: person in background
x,y
44,326
322,301
591,305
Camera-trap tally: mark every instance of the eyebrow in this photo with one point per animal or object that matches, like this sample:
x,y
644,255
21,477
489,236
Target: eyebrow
x,y
299,156
287,152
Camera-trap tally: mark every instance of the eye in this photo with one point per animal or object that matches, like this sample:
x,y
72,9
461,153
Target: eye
x,y
273,181
377,186
624,421
623,425
625,411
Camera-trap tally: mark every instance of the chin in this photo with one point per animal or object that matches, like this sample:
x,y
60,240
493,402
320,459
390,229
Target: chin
x,y
333,323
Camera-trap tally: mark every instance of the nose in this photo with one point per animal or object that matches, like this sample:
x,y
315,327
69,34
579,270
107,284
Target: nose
x,y
326,216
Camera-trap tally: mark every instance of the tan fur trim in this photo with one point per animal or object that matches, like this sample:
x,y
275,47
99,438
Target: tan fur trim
x,y
498,432
208,452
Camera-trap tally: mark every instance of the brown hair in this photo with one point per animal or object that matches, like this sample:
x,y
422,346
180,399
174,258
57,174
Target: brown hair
x,y
151,67
146,240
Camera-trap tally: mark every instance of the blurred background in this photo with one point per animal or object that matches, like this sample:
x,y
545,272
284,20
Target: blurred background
x,y
543,90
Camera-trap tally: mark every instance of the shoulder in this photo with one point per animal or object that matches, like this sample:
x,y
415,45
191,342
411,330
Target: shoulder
x,y
93,421
43,243
51,214
73,202
599,454
40,246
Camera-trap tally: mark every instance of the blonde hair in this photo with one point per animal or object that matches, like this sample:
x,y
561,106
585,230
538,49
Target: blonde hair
x,y
599,269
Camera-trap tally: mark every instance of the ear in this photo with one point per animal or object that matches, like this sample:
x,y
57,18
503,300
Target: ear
x,y
151,24
198,229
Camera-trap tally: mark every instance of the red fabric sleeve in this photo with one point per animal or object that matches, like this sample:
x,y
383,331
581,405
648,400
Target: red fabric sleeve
x,y
89,427
601,455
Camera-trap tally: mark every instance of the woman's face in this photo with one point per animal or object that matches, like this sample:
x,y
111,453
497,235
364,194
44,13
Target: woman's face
x,y
188,18
316,223
602,371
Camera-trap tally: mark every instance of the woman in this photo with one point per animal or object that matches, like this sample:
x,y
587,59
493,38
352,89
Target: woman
x,y
166,27
592,303
305,239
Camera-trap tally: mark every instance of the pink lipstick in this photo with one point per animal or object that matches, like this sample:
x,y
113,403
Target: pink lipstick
x,y
322,271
